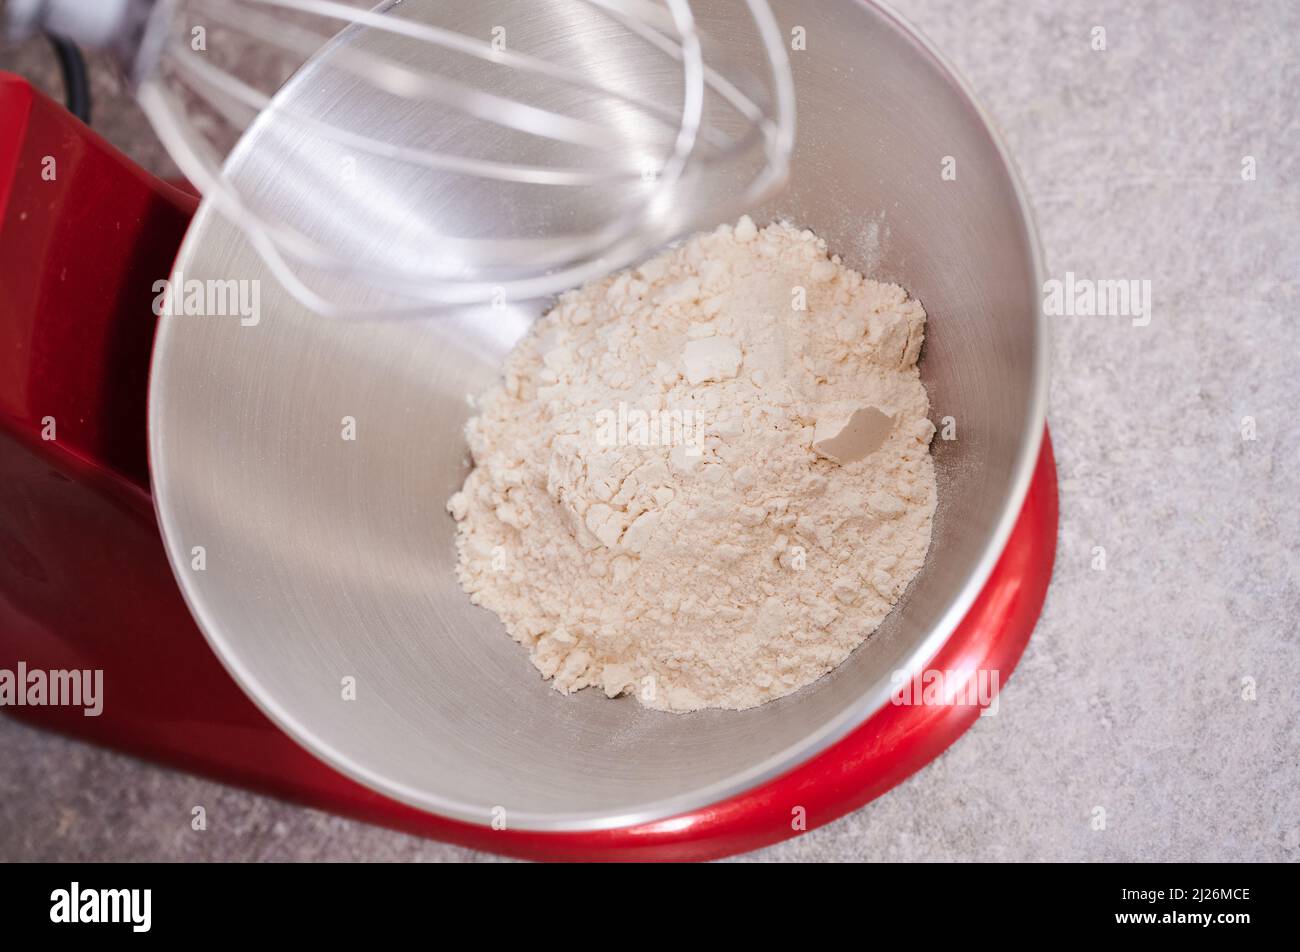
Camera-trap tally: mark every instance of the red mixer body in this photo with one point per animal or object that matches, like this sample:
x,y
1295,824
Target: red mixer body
x,y
85,583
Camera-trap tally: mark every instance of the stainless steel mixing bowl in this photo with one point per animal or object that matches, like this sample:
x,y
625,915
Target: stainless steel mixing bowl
x,y
329,559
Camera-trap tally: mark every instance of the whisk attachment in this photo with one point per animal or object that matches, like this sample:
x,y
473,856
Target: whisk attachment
x,y
555,142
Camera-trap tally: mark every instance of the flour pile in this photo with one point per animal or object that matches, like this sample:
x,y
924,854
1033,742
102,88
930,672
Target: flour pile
x,y
705,481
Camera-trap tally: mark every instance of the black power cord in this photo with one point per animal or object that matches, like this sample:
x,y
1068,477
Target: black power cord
x,y
76,78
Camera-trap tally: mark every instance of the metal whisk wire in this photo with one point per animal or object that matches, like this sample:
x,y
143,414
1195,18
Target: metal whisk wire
x,y
174,81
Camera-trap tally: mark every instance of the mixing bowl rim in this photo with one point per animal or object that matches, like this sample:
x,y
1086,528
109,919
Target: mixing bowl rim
x,y
681,805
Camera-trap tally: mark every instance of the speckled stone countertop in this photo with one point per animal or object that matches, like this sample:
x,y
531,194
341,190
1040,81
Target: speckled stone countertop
x,y
1132,695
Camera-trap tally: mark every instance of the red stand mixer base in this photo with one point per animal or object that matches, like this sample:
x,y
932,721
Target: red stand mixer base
x,y
85,583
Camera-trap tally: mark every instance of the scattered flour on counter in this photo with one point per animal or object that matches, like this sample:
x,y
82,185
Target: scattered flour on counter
x,y
705,481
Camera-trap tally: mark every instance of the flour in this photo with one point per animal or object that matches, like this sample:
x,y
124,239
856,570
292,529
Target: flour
x,y
703,482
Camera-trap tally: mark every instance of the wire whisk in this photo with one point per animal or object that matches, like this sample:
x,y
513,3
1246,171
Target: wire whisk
x,y
556,141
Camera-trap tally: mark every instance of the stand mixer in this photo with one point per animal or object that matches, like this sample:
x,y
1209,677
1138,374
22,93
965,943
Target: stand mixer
x,y
321,565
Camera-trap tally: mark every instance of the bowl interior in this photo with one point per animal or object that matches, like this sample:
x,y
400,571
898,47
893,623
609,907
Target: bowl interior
x,y
329,559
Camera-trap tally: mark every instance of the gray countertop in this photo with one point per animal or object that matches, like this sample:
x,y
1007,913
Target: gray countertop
x,y
1130,696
